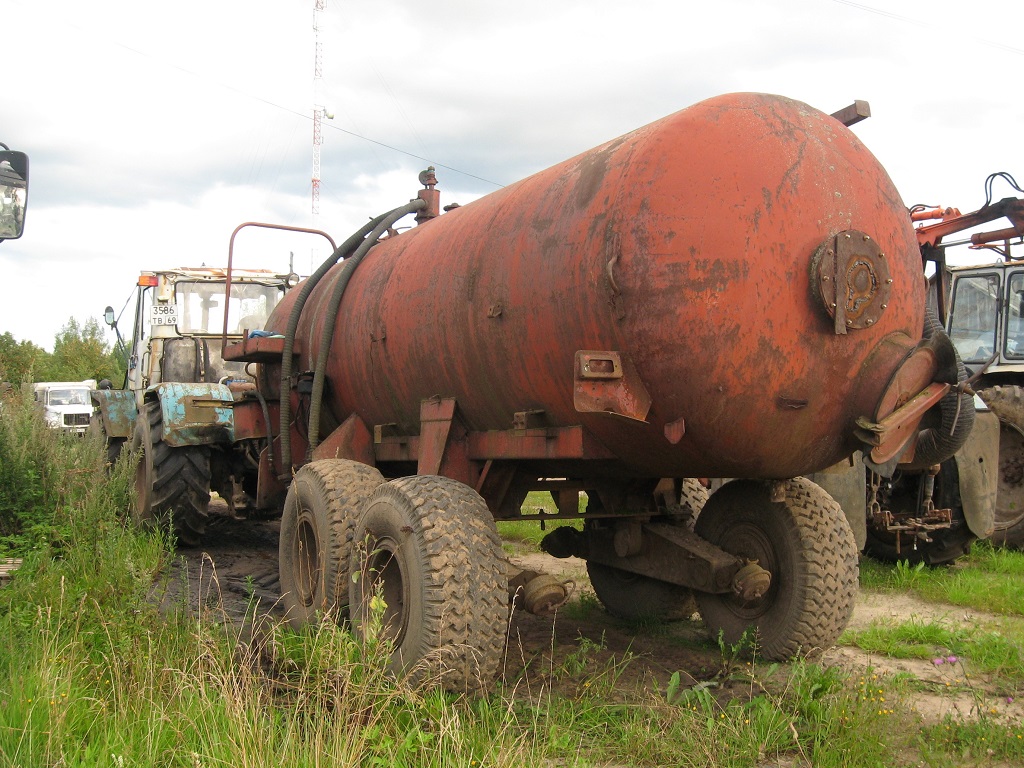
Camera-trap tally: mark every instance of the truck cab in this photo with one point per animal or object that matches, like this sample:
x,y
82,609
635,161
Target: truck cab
x,y
65,404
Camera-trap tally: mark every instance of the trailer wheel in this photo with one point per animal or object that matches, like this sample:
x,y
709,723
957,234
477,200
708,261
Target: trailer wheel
x,y
634,597
432,581
172,485
1007,402
805,543
315,549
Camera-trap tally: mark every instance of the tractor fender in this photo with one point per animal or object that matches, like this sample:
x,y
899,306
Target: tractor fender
x,y
977,464
116,409
195,413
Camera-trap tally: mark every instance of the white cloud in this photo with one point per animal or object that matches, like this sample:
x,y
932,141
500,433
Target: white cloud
x,y
154,130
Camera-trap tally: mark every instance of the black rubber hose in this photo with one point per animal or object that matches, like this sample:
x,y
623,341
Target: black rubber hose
x,y
289,336
327,337
936,444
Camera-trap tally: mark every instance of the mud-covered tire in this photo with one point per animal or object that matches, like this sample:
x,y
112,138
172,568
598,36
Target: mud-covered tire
x,y
1007,403
634,597
692,498
429,547
805,543
172,485
315,548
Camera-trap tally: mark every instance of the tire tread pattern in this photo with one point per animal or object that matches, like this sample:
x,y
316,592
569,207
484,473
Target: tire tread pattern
x,y
465,590
814,601
1007,403
179,486
343,486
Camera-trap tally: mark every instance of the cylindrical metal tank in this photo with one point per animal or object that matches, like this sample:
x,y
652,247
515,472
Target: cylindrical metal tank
x,y
697,248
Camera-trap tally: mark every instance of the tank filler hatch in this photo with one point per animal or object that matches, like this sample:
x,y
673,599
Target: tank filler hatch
x,y
852,280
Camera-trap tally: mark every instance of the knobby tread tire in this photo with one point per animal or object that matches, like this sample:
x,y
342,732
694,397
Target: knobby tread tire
x,y
1007,403
451,554
329,494
173,484
692,498
634,597
815,579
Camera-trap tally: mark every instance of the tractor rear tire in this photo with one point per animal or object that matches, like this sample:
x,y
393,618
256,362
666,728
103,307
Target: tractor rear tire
x,y
431,580
947,545
805,543
172,485
320,512
1007,403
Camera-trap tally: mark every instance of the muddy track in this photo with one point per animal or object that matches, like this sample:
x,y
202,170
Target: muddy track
x,y
234,570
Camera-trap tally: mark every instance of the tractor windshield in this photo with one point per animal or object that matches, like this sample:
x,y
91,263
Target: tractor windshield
x,y
1015,316
973,321
201,306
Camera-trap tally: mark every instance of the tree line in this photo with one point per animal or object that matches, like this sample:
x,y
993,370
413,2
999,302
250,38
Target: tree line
x,y
80,351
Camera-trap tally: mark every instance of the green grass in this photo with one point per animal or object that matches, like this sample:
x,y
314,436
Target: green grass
x,y
989,579
998,651
529,532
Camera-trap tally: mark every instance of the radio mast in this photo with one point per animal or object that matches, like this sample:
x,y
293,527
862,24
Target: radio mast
x,y
318,108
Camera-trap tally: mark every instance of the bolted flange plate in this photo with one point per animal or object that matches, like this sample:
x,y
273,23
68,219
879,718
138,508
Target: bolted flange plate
x,y
852,280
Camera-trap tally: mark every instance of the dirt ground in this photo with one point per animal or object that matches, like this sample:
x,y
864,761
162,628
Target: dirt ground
x,y
235,571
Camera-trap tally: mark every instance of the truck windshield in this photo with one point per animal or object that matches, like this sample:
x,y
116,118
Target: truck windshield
x,y
201,306
68,397
973,321
1015,316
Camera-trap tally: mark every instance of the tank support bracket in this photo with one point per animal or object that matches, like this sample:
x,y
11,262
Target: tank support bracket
x,y
443,444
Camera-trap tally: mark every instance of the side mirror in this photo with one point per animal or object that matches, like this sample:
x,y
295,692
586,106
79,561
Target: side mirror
x,y
108,316
13,193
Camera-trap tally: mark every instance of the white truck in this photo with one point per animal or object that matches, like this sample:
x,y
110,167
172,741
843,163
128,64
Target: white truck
x,y
65,405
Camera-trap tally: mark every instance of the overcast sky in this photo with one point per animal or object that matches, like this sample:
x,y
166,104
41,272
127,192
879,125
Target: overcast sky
x,y
154,129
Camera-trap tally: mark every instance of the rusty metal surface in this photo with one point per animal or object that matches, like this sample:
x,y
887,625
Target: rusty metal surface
x,y
853,280
608,382
117,409
196,414
687,246
890,435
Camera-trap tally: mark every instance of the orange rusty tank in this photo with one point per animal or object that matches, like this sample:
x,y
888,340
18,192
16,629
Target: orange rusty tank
x,y
720,293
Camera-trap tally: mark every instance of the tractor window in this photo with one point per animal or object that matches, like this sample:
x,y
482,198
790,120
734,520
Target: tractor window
x,y
1015,317
972,324
201,306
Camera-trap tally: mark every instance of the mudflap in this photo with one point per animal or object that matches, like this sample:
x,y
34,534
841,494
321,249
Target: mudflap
x,y
845,482
977,464
195,414
117,410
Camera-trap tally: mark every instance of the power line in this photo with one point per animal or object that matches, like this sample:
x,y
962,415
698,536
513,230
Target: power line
x,y
926,23
94,35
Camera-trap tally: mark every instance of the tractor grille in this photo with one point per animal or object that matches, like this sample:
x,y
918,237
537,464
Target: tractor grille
x,y
76,419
